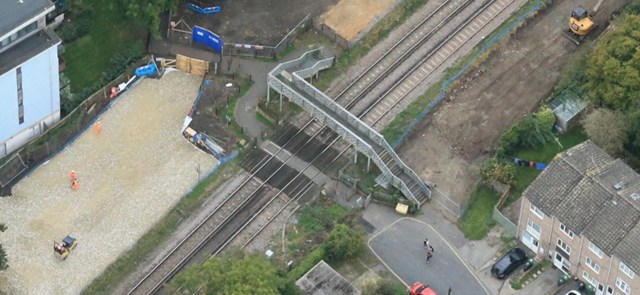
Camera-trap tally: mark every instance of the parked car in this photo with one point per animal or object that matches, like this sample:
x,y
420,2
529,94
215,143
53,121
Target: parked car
x,y
508,263
573,292
421,289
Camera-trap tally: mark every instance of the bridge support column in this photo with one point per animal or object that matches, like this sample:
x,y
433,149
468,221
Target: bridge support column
x,y
281,102
355,155
368,163
268,93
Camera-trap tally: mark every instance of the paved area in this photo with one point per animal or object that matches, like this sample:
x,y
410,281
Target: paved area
x,y
399,246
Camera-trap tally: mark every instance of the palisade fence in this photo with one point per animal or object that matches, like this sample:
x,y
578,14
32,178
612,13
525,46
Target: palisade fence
x,y
62,133
268,51
331,34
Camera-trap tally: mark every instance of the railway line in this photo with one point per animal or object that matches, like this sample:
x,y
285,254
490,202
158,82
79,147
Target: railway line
x,y
242,206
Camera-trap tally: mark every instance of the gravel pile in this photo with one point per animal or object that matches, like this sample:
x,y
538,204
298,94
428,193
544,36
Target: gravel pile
x,y
130,175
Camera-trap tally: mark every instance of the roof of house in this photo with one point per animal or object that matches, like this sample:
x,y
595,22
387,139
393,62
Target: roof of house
x,y
595,196
27,49
14,13
324,280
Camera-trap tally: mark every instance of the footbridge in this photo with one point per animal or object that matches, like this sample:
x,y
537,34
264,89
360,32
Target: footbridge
x,y
288,79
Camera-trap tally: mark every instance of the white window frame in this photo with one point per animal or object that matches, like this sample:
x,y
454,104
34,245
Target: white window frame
x,y
593,265
590,279
625,269
566,247
623,286
595,250
536,211
566,230
531,228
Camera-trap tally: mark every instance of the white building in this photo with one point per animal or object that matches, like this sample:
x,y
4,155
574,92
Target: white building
x,y
29,83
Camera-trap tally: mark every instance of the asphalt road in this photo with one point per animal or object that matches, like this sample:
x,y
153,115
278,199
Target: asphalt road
x,y
400,248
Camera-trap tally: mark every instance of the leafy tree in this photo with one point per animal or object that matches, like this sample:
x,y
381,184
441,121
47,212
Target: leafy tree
x,y
4,263
147,12
607,129
498,170
531,132
343,242
613,68
233,273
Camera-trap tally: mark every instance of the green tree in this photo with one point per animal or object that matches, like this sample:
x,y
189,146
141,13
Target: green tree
x,y
233,273
343,242
4,263
613,68
607,129
531,132
147,12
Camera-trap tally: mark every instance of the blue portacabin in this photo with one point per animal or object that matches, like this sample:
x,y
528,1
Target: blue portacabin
x,y
208,38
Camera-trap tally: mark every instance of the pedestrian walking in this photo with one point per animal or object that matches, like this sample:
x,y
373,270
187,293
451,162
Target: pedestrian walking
x,y
431,249
74,184
73,175
429,255
97,128
425,244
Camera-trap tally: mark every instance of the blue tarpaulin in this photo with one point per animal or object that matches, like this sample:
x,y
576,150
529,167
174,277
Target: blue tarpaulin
x,y
204,10
208,38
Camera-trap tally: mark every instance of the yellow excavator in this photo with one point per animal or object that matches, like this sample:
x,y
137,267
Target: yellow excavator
x,y
63,249
581,23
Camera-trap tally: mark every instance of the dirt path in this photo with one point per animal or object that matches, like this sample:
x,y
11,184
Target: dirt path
x,y
130,175
512,82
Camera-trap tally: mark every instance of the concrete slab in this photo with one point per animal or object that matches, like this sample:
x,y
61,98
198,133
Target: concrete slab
x,y
399,247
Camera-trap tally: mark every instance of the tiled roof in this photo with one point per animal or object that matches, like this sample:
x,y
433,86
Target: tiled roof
x,y
595,196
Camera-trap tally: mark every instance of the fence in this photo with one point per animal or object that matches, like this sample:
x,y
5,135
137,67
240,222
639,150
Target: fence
x,y
65,131
268,51
331,34
508,226
497,37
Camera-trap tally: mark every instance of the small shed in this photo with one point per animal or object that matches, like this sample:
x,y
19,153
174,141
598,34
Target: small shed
x,y
322,279
567,108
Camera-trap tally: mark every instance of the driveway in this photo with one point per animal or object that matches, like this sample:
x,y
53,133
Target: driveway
x,y
399,247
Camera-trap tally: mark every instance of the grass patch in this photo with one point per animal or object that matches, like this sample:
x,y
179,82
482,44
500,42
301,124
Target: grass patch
x,y
477,219
525,175
230,111
262,119
110,33
127,263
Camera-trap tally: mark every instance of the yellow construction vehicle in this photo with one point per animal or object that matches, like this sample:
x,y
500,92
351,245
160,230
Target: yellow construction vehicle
x,y
63,249
581,23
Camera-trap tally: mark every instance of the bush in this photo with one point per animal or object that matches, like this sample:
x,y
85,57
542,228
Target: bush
x,y
307,263
531,132
343,242
384,287
501,171
79,27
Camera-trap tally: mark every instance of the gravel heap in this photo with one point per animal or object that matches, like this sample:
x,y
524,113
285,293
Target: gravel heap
x,y
130,175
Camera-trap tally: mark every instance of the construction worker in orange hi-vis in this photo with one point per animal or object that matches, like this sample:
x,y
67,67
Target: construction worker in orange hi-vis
x,y
73,175
97,128
74,184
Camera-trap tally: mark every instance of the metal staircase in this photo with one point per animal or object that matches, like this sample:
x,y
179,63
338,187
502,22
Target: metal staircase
x,y
288,79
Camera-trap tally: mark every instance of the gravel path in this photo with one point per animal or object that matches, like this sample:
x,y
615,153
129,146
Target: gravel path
x,y
131,174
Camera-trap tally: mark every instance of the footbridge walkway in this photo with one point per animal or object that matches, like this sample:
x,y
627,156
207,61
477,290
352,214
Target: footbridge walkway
x,y
288,79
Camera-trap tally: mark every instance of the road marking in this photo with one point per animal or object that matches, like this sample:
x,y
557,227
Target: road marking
x,y
455,252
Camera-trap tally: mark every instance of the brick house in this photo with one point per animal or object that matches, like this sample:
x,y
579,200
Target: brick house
x,y
582,213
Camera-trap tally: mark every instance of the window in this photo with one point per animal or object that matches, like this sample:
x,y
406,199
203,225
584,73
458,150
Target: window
x,y
595,250
624,268
591,280
20,96
623,286
19,34
566,231
534,229
564,246
537,211
593,265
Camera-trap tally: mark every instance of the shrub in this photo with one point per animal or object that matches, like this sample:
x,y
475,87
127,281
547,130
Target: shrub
x,y
343,242
501,171
531,132
307,263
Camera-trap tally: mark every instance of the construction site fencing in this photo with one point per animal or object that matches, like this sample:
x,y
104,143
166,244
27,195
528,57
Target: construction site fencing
x,y
264,51
331,34
537,5
62,133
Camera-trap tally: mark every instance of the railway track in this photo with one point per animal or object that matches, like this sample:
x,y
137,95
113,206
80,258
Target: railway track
x,y
229,218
